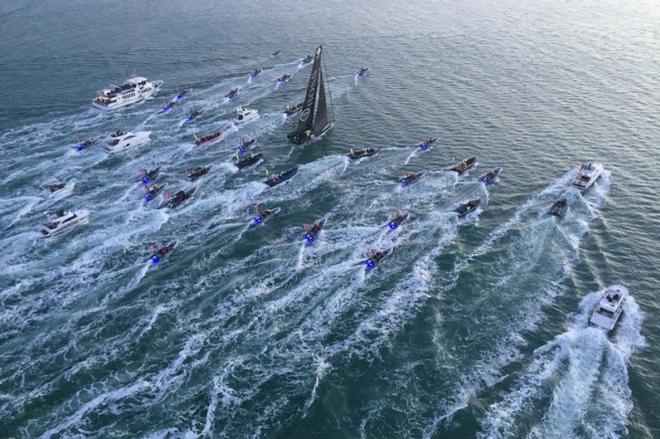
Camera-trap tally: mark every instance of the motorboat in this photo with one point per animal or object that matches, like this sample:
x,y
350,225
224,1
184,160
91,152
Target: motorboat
x,y
178,199
149,175
397,220
192,114
491,177
245,145
198,172
255,73
209,138
559,207
63,221
609,308
150,193
293,109
284,78
355,154
411,178
264,215
312,232
232,93
468,207
248,161
464,165
375,258
308,59
159,254
274,180
133,90
587,175
426,144
127,140
362,72
244,115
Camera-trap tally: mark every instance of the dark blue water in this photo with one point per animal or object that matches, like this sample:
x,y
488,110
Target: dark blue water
x,y
473,327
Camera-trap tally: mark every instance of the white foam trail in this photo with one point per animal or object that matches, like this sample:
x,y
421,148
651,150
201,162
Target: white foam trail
x,y
487,371
582,377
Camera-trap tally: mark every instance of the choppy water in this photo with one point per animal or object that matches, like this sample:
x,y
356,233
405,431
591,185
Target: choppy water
x,y
474,327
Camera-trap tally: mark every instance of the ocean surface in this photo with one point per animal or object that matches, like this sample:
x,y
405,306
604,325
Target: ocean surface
x,y
473,327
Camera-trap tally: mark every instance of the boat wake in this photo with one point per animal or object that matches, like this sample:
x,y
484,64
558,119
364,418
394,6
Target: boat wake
x,y
575,386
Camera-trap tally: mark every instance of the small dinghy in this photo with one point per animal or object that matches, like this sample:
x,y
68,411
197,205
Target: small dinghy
x,y
464,165
312,232
559,207
274,180
411,178
465,208
209,138
248,161
361,153
491,177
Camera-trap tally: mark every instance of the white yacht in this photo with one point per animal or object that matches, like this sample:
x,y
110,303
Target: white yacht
x,y
121,141
134,90
244,114
64,221
610,307
588,174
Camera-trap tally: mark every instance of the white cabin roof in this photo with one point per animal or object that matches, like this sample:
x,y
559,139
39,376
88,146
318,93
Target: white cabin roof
x,y
135,80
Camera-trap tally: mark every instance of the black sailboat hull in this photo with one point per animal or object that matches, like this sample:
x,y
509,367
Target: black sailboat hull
x,y
302,138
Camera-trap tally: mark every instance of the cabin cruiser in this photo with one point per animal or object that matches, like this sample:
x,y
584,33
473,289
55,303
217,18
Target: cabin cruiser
x,y
588,174
57,191
64,221
559,207
127,140
209,138
609,309
244,114
135,89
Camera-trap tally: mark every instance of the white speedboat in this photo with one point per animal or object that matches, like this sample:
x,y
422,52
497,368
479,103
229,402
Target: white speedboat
x,y
588,174
64,221
610,307
134,90
244,114
122,142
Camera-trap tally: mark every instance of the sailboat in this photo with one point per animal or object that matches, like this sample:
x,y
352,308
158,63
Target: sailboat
x,y
313,121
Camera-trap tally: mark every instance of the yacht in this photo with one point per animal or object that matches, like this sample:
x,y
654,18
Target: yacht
x,y
63,222
244,114
121,142
135,89
610,307
588,174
